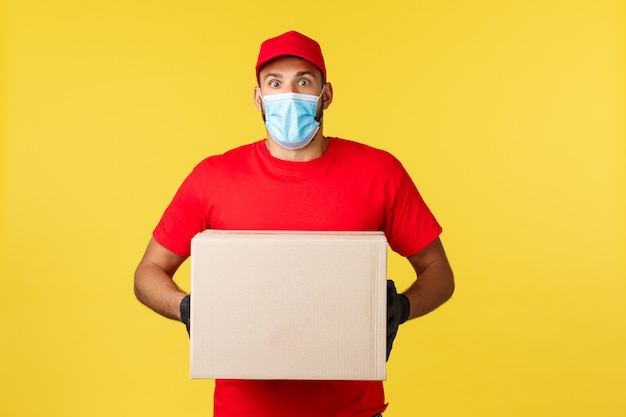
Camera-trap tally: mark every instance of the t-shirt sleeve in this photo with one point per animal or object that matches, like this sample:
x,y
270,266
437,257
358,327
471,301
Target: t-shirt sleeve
x,y
410,225
183,218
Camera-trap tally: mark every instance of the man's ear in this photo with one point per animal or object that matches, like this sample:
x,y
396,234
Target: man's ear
x,y
257,99
328,95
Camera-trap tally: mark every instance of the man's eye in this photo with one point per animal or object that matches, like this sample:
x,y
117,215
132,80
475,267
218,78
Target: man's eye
x,y
274,84
304,82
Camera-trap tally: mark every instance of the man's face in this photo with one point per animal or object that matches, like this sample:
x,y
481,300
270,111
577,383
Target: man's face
x,y
292,75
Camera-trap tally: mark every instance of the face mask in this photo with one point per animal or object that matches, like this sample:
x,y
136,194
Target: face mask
x,y
290,118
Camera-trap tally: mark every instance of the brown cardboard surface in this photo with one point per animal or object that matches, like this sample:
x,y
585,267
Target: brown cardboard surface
x,y
288,305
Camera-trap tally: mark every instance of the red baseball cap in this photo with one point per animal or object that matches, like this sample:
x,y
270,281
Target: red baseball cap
x,y
294,44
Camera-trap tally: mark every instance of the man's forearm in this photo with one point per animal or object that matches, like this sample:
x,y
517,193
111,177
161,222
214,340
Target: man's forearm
x,y
157,290
433,287
434,284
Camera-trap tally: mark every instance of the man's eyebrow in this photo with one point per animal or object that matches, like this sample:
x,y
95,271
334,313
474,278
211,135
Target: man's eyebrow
x,y
272,75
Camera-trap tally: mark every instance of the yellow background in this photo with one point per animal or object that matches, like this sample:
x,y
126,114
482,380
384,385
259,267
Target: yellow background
x,y
510,116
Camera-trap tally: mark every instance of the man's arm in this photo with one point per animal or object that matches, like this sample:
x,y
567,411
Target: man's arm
x,y
435,282
154,284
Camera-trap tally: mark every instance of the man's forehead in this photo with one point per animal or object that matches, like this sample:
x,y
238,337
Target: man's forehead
x,y
289,65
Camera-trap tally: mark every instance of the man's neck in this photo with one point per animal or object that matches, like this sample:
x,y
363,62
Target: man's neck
x,y
313,150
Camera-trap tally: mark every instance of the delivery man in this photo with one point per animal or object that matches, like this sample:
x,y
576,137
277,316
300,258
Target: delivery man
x,y
297,178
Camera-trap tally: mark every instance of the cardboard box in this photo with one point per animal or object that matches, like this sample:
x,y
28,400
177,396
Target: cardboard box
x,y
288,305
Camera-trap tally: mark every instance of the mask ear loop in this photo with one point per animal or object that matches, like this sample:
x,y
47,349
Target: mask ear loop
x,y
262,105
323,89
319,119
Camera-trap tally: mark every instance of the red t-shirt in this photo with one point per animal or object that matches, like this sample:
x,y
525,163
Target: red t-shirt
x,y
351,187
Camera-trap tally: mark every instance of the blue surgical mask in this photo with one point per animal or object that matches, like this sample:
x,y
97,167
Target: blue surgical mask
x,y
290,118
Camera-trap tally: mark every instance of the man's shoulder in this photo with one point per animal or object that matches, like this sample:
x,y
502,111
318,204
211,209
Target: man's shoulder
x,y
230,157
363,152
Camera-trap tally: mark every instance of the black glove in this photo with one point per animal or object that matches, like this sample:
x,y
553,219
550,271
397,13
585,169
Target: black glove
x,y
185,312
398,309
